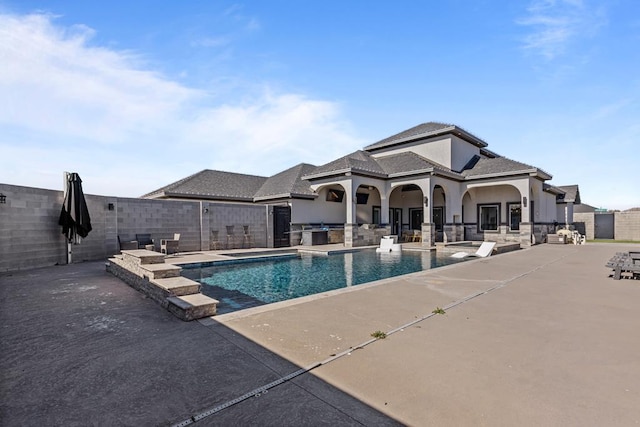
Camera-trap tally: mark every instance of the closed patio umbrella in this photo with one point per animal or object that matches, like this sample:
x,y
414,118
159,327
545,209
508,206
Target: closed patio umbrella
x,y
74,218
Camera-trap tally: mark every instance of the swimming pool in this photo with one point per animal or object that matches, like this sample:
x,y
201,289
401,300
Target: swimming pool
x,y
242,284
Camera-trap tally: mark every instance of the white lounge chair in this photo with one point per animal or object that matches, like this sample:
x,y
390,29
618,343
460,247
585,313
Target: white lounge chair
x,y
485,250
388,244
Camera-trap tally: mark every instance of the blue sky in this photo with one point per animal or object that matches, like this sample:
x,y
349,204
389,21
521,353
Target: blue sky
x,y
134,96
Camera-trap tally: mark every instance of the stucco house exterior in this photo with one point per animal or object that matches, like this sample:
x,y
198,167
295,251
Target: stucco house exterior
x,y
435,180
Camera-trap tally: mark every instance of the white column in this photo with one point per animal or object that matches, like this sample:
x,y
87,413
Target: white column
x,y
384,209
351,202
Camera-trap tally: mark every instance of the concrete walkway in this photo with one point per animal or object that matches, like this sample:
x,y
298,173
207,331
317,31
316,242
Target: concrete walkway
x,y
535,337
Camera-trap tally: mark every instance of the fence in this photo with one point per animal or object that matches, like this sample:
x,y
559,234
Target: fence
x,y
31,237
626,225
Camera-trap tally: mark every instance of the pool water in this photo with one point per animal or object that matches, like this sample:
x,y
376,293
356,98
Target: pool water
x,y
240,285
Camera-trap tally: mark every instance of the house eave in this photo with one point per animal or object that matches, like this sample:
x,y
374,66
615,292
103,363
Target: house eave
x,y
200,196
285,196
530,172
345,172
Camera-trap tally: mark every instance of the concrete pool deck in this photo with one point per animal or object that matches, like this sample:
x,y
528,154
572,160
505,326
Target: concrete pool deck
x,y
541,336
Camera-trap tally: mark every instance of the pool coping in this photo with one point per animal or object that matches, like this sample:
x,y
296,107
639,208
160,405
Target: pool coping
x,y
247,312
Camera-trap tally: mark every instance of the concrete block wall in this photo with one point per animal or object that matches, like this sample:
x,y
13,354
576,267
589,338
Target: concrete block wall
x,y
221,215
29,226
160,218
30,236
627,225
584,223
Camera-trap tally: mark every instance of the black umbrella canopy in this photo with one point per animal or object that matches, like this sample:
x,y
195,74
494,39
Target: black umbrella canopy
x,y
74,218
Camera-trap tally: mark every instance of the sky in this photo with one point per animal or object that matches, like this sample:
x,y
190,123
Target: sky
x,y
136,95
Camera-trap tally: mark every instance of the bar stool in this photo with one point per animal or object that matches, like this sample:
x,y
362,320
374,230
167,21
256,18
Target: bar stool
x,y
246,236
215,240
231,237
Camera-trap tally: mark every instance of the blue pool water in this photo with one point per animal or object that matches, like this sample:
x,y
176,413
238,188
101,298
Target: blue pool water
x,y
239,285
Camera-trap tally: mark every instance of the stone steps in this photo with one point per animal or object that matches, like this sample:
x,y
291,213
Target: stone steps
x,y
177,286
143,271
191,307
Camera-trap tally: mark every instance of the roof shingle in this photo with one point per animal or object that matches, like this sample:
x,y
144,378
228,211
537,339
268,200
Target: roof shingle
x,y
213,184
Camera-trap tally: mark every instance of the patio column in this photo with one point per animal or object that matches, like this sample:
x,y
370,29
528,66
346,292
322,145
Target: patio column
x,y
526,234
350,226
428,229
384,209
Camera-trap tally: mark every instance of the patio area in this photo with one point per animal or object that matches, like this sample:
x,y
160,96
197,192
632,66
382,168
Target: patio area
x,y
541,336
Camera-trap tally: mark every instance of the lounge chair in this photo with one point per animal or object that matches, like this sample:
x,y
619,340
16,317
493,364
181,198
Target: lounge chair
x,y
388,244
485,250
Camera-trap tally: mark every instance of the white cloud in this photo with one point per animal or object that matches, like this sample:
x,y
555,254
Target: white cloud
x,y
69,105
555,24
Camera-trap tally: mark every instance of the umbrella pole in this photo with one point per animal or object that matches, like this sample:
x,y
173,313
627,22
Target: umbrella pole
x,y
65,178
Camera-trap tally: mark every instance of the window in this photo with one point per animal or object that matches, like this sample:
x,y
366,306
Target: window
x,y
361,198
515,215
335,196
377,219
489,217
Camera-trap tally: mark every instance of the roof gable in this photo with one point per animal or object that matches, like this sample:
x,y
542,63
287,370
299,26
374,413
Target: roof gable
x,y
288,183
426,130
359,162
571,193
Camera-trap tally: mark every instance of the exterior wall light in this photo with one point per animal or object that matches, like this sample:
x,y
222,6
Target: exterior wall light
x,y
3,198
524,201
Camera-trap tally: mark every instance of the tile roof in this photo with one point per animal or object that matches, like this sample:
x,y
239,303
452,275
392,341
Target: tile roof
x,y
288,183
213,184
425,130
571,193
359,162
407,162
495,166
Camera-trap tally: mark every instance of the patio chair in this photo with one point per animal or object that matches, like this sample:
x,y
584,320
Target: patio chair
x,y
127,245
170,246
145,241
485,250
215,240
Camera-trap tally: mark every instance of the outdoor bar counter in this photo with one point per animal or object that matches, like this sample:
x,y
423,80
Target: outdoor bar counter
x,y
315,236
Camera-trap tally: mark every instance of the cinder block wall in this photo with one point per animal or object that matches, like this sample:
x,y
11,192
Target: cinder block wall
x,y
30,236
159,218
221,215
585,224
29,232
627,225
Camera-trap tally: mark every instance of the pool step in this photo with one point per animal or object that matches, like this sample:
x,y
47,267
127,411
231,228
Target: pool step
x,y
162,282
177,286
160,271
142,256
191,307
